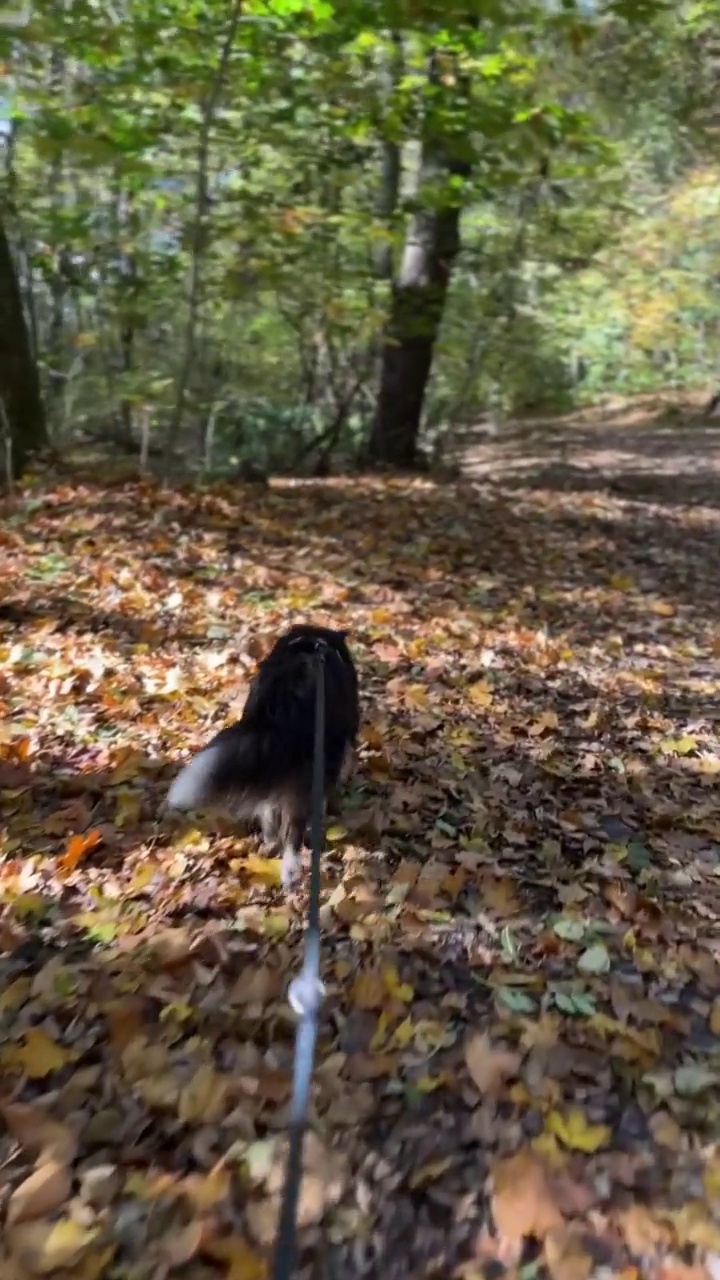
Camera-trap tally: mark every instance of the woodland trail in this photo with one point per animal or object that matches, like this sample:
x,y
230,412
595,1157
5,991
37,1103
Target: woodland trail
x,y
519,1063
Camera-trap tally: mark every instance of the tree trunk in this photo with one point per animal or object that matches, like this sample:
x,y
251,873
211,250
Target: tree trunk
x,y
20,394
200,229
386,203
419,291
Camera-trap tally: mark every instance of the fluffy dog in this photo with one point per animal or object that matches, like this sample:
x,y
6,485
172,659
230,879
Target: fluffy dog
x,y
261,767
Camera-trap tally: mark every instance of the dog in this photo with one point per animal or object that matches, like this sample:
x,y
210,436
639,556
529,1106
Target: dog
x,y
261,767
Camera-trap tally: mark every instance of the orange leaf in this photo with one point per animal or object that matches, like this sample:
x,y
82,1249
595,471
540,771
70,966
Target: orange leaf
x,y
77,847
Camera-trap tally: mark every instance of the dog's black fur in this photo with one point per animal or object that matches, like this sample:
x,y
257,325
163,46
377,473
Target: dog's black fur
x,y
262,766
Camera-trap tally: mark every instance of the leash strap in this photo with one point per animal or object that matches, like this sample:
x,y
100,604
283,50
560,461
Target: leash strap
x,y
305,996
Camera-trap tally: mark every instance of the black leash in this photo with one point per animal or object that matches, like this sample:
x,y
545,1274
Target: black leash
x,y
305,995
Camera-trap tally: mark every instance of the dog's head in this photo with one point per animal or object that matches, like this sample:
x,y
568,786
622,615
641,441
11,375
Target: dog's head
x,y
304,637
308,631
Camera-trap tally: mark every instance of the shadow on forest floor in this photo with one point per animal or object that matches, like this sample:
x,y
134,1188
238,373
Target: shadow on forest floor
x,y
521,907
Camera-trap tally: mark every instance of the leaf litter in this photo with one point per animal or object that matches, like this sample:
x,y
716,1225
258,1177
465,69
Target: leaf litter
x,y
520,1051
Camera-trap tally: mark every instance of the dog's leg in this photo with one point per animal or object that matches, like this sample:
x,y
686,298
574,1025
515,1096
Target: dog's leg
x,y
269,823
347,768
345,772
295,822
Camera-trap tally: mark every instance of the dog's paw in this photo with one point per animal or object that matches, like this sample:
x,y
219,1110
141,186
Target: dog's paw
x,y
290,870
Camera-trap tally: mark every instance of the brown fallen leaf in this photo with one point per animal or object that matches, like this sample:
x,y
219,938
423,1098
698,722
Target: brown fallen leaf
x,y
44,1191
643,1231
489,1066
180,1246
565,1254
95,1266
43,1247
203,1099
523,1200
38,1133
324,1179
368,991
242,1262
206,1191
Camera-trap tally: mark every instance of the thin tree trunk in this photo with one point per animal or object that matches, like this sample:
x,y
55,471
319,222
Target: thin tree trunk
x,y
55,380
19,380
22,254
391,160
199,231
418,298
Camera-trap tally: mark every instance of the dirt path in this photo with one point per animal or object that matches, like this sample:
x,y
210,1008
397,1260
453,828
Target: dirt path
x,y
652,451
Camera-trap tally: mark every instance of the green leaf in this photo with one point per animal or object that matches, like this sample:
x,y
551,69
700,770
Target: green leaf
x,y
694,1079
595,960
569,928
517,1001
575,1003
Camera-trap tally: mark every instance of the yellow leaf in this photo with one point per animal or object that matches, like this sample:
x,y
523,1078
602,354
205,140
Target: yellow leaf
x,y
275,924
403,1034
711,1180
573,1130
143,875
685,744
335,833
394,987
663,608
128,808
268,870
381,1031
417,696
429,1172
43,1247
94,1266
15,995
368,991
480,693
243,1263
715,1017
621,582
203,1099
428,1084
38,1056
30,904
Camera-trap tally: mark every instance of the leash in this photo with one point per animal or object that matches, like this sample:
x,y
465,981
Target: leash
x,y
305,996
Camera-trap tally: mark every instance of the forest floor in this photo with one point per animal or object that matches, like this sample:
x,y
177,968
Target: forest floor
x,y
518,1071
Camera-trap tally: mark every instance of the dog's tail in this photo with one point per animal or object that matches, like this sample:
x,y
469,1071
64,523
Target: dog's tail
x,y
225,766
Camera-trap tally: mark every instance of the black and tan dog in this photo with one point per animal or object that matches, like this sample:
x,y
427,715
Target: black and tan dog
x,y
261,767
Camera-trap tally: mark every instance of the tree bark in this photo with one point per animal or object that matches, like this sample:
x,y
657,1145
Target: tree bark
x,y
19,379
418,296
